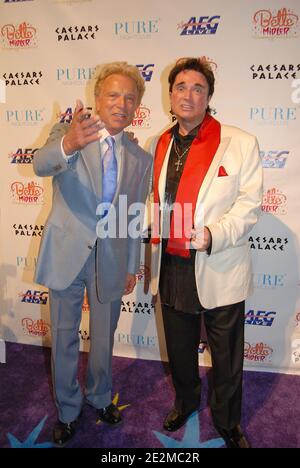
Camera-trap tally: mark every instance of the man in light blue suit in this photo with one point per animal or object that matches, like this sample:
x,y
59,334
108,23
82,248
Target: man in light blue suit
x,y
91,161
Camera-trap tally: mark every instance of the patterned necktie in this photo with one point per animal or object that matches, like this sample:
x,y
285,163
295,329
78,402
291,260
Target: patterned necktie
x,y
110,171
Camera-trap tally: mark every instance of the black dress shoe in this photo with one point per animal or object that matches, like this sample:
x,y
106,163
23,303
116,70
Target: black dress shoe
x,y
175,420
63,432
110,415
234,438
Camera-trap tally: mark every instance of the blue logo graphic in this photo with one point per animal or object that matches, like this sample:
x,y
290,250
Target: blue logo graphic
x,y
35,297
23,157
66,117
146,71
191,438
274,159
205,25
30,441
261,317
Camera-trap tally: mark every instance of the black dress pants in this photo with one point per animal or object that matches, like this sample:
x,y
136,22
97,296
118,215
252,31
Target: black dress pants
x,y
225,333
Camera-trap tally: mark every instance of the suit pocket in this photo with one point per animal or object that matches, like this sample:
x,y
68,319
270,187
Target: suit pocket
x,y
229,179
225,187
54,234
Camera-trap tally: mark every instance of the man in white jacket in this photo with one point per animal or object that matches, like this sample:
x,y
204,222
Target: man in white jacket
x,y
208,187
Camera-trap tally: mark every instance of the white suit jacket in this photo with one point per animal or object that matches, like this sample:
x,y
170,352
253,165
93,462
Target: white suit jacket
x,y
231,206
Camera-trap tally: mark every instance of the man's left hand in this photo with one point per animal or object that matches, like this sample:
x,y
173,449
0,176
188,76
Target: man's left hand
x,y
132,137
201,239
129,283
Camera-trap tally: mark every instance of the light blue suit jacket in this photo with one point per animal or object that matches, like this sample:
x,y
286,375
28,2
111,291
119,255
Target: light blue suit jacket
x,y
70,230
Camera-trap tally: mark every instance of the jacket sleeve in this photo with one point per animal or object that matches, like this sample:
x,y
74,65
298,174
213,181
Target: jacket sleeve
x,y
48,160
234,225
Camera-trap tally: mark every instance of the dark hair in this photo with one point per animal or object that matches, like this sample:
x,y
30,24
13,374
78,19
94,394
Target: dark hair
x,y
197,64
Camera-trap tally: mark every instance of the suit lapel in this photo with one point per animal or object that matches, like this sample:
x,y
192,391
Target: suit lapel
x,y
213,168
163,173
209,175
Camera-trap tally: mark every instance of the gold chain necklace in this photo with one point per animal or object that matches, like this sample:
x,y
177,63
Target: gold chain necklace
x,y
180,156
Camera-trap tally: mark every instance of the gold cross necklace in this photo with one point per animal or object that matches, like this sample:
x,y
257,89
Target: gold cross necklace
x,y
180,156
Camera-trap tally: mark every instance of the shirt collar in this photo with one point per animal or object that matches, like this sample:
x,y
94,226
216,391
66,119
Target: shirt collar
x,y
189,137
105,133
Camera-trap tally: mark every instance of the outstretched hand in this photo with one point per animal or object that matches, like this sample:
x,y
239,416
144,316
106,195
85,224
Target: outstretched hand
x,y
83,130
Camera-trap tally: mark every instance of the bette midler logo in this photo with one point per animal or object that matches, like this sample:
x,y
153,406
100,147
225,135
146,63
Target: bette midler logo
x,y
142,117
19,36
274,201
35,327
258,352
28,193
283,23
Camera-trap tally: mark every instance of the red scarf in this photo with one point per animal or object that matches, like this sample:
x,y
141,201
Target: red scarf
x,y
200,156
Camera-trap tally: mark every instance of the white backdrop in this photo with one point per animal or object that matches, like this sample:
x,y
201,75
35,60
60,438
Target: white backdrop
x,y
49,52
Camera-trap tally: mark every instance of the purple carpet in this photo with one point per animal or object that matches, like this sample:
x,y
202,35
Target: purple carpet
x,y
142,390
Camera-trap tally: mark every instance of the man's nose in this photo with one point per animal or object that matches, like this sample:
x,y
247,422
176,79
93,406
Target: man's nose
x,y
187,93
121,101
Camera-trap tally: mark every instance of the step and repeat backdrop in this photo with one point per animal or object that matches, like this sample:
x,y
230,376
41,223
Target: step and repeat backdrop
x,y
50,50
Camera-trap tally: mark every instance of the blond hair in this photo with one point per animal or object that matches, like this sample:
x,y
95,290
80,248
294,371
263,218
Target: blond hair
x,y
120,68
